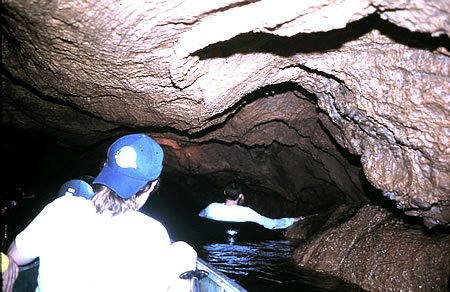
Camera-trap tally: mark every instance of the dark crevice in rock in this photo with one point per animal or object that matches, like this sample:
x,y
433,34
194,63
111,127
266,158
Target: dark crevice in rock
x,y
413,39
249,43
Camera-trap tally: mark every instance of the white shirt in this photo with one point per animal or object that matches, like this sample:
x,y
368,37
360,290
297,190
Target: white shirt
x,y
81,250
237,213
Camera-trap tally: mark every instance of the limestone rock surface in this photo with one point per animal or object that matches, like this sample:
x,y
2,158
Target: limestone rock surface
x,y
377,72
379,252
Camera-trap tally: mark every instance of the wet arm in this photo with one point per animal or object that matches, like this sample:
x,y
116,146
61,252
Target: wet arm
x,y
276,223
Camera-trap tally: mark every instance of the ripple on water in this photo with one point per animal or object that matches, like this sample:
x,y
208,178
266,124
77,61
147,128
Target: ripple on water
x,y
267,266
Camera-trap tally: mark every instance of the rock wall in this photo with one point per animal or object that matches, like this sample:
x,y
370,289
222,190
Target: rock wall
x,y
378,252
275,142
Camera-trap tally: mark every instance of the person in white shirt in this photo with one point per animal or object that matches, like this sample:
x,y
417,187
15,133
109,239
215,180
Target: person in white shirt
x,y
232,211
104,243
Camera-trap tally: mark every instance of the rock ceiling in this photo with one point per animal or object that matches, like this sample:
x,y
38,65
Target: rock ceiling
x,y
372,74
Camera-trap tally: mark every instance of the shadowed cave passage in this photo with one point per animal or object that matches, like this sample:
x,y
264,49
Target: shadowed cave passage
x,y
274,142
279,179
297,170
45,166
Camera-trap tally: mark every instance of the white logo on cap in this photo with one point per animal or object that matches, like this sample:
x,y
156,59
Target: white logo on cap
x,y
126,157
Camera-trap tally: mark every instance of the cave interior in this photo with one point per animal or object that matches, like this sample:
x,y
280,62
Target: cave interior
x,y
305,134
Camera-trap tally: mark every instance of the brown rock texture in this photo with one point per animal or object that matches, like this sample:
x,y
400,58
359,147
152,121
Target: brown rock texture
x,y
94,70
289,153
379,253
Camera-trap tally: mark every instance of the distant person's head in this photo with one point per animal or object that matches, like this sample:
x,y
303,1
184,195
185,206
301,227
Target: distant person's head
x,y
233,192
133,166
81,187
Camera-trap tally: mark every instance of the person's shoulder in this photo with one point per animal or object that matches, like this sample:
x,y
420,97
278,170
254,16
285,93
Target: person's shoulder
x,y
69,203
149,228
145,220
69,200
215,205
245,209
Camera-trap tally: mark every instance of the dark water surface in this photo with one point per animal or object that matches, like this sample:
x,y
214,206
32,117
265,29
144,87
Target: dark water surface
x,y
258,266
267,266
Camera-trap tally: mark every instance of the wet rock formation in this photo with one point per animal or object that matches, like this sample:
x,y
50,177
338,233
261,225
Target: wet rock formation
x,y
379,252
302,101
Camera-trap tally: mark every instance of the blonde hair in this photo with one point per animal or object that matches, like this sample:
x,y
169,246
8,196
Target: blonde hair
x,y
105,199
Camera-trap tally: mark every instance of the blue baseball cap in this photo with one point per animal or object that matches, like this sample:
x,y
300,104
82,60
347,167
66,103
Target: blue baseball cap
x,y
77,188
132,162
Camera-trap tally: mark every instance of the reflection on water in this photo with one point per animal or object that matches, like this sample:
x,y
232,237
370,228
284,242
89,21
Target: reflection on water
x,y
267,266
244,258
257,265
